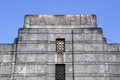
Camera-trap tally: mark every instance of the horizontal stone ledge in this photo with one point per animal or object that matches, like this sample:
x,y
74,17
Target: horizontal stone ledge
x,y
96,75
60,26
60,30
66,42
96,63
67,63
67,52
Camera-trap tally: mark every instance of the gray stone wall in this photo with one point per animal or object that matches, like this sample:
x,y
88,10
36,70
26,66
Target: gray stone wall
x,y
33,56
6,61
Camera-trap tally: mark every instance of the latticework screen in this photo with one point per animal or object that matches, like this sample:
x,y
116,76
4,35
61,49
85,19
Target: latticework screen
x,y
60,72
60,46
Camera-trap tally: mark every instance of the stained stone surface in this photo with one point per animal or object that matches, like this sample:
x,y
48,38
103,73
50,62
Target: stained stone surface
x,y
64,21
33,54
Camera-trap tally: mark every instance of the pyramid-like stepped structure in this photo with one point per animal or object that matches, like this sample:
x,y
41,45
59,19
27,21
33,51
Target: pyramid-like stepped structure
x,y
60,47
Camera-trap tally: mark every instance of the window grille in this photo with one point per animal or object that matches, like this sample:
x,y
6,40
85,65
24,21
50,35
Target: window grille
x,y
60,46
60,72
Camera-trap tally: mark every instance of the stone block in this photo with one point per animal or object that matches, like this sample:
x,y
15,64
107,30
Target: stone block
x,y
85,20
91,69
79,69
113,69
23,37
68,58
31,57
100,57
98,47
42,58
51,47
42,36
33,31
1,58
89,57
51,58
87,37
7,58
79,78
78,37
69,75
111,47
78,47
42,69
112,58
101,69
97,37
7,52
68,47
90,78
51,68
6,47
50,78
23,31
118,45
31,47
88,31
30,68
30,78
40,78
1,47
68,68
20,68
27,21
22,47
19,78
6,78
42,30
87,47
69,78
33,36
75,20
78,57
114,78
50,75
97,31
60,31
77,31
21,58
6,69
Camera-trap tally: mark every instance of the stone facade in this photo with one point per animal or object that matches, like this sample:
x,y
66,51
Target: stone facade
x,y
33,55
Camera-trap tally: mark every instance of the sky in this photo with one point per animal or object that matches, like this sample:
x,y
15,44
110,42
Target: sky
x,y
12,14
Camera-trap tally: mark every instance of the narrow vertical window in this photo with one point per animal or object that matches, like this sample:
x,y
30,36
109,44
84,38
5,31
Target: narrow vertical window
x,y
60,46
60,72
60,49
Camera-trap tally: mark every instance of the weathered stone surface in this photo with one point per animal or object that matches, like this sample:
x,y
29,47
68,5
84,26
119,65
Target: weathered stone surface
x,y
6,47
33,56
37,21
32,47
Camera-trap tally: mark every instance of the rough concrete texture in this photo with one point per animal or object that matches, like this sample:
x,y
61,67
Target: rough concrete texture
x,y
33,55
